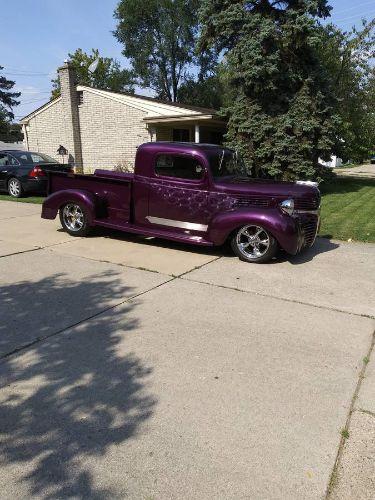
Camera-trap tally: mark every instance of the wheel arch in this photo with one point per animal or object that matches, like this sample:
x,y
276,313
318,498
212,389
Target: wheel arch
x,y
282,227
57,200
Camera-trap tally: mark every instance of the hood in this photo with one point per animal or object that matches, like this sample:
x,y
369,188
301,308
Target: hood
x,y
264,187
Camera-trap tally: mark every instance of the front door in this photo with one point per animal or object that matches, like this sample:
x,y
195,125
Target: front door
x,y
178,194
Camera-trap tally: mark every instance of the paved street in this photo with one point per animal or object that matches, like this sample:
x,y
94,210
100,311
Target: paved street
x,y
142,369
360,171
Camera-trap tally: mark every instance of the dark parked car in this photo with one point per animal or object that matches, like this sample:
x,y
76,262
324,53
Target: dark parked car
x,y
24,172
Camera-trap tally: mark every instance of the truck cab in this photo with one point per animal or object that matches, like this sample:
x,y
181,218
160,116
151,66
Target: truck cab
x,y
191,193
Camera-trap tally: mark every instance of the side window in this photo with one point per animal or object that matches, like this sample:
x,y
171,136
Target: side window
x,y
3,160
36,158
13,161
181,167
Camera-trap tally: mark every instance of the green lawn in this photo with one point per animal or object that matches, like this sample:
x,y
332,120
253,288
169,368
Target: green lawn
x,y
27,199
348,209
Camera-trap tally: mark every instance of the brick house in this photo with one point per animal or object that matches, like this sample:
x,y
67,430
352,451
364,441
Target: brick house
x,y
100,128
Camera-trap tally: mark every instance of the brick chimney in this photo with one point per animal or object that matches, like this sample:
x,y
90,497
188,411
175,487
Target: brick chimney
x,y
69,99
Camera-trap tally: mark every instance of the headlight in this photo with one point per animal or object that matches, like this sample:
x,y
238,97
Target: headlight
x,y
287,206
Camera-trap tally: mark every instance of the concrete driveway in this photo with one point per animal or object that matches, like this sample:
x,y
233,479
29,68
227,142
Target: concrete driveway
x,y
143,369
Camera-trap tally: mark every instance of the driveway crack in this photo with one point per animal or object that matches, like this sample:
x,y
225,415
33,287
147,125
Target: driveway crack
x,y
284,299
352,409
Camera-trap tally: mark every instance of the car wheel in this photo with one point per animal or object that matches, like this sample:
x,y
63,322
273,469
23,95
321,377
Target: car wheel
x,y
15,188
253,243
74,220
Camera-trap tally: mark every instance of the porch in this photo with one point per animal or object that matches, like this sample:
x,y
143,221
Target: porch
x,y
207,129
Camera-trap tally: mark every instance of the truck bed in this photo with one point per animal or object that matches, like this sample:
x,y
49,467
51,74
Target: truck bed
x,y
112,189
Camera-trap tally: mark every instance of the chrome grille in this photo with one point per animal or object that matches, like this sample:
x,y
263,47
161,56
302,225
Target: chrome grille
x,y
307,203
251,201
309,230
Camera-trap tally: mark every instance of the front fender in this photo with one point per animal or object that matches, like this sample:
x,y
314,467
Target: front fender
x,y
56,200
282,227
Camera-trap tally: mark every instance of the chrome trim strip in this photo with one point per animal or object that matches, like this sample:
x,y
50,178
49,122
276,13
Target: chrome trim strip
x,y
313,212
177,223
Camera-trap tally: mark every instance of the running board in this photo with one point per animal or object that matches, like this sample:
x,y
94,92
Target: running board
x,y
154,233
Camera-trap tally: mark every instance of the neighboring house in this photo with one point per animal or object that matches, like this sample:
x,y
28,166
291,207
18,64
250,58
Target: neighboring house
x,y
335,162
102,129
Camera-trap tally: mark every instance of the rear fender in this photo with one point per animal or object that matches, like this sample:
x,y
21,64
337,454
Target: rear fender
x,y
282,227
56,200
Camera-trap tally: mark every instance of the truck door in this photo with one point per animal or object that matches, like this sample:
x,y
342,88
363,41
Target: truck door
x,y
178,193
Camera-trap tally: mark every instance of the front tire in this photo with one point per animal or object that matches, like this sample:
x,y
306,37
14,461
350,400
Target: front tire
x,y
15,189
252,243
74,220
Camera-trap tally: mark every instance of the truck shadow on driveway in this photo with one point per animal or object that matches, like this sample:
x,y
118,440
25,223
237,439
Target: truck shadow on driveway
x,y
322,245
65,400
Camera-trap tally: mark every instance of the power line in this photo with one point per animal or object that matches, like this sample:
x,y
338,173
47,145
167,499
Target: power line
x,y
30,74
33,100
352,8
33,93
361,15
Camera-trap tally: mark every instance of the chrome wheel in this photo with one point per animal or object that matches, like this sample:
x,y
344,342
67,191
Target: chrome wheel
x,y
14,188
73,217
253,242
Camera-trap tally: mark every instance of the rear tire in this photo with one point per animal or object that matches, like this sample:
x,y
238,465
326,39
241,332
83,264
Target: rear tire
x,y
253,243
15,189
74,219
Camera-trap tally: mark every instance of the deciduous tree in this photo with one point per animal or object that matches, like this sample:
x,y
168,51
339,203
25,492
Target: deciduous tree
x,y
348,57
107,75
159,38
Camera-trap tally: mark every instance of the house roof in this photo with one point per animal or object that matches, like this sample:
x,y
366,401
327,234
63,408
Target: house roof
x,y
153,107
199,109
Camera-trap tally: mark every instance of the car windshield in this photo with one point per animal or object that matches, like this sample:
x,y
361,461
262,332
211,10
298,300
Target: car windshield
x,y
227,163
29,158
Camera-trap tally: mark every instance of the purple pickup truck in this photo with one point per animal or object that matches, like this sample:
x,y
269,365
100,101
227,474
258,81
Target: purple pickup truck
x,y
189,193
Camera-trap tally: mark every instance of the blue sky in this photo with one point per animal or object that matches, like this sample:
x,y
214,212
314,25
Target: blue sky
x,y
40,33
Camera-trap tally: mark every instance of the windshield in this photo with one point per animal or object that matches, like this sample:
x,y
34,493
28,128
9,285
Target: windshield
x,y
28,158
226,163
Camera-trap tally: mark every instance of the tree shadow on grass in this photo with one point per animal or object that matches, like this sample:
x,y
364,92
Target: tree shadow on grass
x,y
342,185
65,400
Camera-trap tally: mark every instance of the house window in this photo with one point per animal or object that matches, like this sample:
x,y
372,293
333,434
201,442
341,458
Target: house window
x,y
181,135
181,167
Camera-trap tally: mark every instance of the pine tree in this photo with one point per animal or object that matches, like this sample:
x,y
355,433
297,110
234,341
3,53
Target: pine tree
x,y
8,99
281,115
